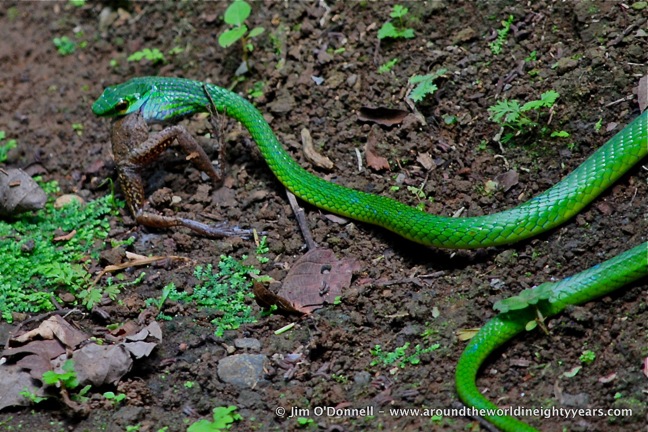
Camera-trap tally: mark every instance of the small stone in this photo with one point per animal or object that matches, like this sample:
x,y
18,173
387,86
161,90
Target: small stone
x,y
464,35
242,370
248,343
66,199
565,65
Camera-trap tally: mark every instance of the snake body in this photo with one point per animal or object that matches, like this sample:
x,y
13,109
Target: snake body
x,y
167,100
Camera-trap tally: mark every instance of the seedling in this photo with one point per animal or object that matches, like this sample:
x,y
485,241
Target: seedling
x,y
386,67
587,357
397,30
303,422
502,34
510,114
114,398
224,417
64,45
5,147
257,90
153,55
66,381
424,85
235,16
399,354
32,397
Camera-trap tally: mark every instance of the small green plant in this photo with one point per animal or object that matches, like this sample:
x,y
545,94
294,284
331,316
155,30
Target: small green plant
x,y
510,114
262,249
502,34
587,356
398,30
400,354
386,67
424,85
153,55
64,45
224,417
257,90
66,381
235,16
5,147
560,134
32,397
189,384
533,56
77,3
597,127
114,398
226,290
133,428
78,128
304,422
34,265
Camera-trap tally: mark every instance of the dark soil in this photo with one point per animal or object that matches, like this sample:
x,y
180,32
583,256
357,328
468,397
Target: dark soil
x,y
403,289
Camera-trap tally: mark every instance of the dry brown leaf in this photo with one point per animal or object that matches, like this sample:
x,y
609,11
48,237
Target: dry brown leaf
x,y
266,299
101,364
311,154
374,161
317,278
14,380
55,326
382,115
507,180
426,161
65,237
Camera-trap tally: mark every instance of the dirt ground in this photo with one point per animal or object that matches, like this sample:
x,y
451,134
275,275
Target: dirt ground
x,y
319,63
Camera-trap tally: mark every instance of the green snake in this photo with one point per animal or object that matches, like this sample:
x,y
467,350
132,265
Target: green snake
x,y
168,100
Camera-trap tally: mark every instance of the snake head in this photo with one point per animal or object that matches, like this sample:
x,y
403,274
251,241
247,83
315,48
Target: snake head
x,y
122,99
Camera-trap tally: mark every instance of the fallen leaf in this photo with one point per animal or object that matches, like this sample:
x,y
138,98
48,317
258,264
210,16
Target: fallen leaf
x,y
609,378
374,161
426,161
101,364
266,299
642,93
467,334
311,154
317,278
65,237
19,193
13,380
55,326
507,180
382,115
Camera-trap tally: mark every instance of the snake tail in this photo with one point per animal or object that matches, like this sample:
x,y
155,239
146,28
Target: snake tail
x,y
592,283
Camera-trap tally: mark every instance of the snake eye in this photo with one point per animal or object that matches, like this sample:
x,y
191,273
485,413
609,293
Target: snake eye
x,y
121,106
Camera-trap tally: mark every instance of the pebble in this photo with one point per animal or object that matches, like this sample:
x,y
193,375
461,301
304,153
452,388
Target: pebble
x,y
242,370
248,343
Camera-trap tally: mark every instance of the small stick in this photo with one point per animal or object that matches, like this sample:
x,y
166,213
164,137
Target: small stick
x,y
301,221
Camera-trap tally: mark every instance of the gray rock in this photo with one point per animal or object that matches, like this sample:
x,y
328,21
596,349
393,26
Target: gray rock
x,y
248,343
242,370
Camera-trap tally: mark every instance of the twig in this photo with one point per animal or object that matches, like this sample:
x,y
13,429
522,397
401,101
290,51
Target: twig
x,y
301,221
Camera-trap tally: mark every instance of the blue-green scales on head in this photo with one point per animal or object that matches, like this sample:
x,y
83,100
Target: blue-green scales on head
x,y
159,99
